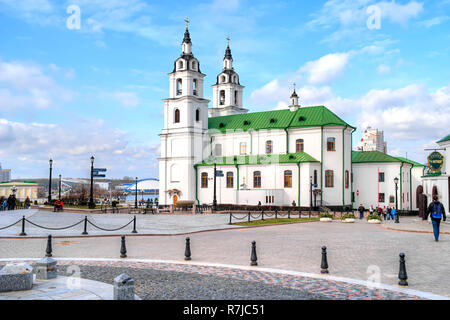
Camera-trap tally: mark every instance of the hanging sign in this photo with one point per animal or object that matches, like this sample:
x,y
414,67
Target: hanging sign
x,y
435,161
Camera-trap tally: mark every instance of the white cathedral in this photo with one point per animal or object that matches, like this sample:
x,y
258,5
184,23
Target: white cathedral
x,y
300,154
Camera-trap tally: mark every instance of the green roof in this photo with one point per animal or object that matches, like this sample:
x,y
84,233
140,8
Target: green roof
x,y
372,156
258,159
447,138
19,184
278,119
414,163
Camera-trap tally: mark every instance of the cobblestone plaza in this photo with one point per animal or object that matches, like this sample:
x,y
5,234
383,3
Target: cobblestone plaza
x,y
357,253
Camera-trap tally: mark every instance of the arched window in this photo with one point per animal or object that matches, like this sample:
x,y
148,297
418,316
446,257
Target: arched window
x,y
315,177
288,179
177,116
331,144
235,79
347,178
218,150
180,64
329,179
243,148
179,87
235,97
257,179
230,179
222,97
194,87
197,115
299,145
269,147
223,79
194,65
204,180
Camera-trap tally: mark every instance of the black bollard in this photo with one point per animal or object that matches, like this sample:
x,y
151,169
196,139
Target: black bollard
x,y
397,217
187,251
262,215
230,220
249,216
48,251
254,258
23,227
289,213
85,225
276,213
134,225
123,249
402,276
324,264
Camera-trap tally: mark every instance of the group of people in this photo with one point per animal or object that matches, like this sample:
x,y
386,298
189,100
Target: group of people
x,y
9,203
386,212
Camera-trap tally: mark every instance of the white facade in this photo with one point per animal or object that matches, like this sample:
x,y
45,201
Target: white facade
x,y
370,190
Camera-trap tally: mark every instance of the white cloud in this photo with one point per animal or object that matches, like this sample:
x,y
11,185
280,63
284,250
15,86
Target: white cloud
x,y
326,69
126,99
400,13
24,86
383,69
433,21
71,145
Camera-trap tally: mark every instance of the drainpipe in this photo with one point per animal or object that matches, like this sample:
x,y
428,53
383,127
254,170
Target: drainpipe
x,y
410,188
401,186
351,166
321,167
251,140
298,166
237,173
343,167
196,185
287,140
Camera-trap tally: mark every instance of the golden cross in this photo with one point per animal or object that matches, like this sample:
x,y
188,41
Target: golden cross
x,y
187,22
228,41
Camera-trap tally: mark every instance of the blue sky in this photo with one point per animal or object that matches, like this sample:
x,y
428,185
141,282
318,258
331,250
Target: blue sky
x,y
70,93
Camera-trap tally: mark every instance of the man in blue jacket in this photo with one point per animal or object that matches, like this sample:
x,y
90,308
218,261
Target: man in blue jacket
x,y
437,211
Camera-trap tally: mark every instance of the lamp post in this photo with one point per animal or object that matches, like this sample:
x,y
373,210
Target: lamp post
x,y
59,191
396,201
50,162
91,196
135,200
310,195
215,194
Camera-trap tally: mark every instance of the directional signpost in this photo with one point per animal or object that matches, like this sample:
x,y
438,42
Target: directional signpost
x,y
219,173
97,172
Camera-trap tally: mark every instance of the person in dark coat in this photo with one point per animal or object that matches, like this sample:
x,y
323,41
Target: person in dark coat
x,y
437,213
361,210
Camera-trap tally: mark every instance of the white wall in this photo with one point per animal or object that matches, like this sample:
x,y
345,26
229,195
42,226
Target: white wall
x,y
365,180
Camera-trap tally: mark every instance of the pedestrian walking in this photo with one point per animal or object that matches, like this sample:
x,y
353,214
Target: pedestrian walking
x,y
2,203
393,213
27,203
361,210
437,213
371,210
384,212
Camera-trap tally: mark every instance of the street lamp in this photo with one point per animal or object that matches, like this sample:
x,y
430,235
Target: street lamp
x,y
215,194
50,182
59,187
135,200
396,201
91,196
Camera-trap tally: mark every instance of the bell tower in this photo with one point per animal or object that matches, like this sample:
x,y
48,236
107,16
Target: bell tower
x,y
185,127
227,92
